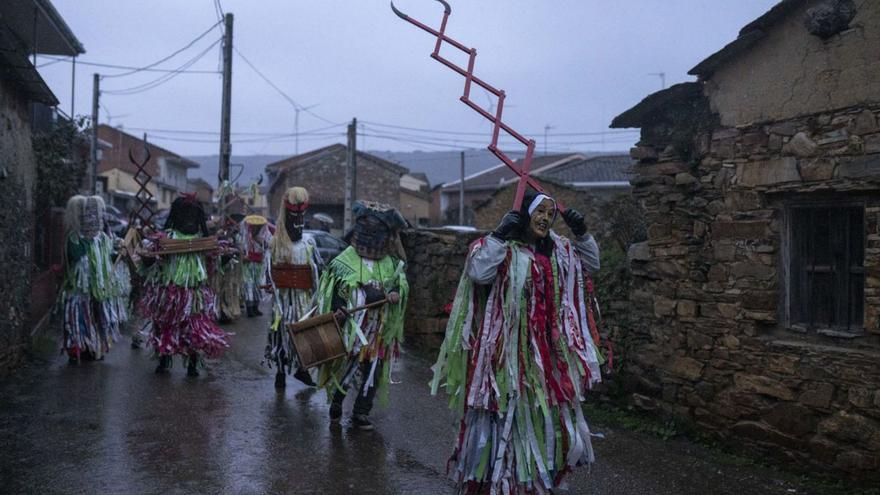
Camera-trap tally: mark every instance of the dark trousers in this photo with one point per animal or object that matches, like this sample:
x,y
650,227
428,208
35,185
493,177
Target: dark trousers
x,y
363,403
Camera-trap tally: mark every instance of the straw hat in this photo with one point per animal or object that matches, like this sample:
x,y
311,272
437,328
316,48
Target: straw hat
x,y
255,220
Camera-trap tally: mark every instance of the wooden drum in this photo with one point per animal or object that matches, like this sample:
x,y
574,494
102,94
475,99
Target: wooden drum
x,y
317,340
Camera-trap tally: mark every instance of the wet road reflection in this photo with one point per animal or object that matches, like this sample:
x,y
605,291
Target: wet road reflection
x,y
116,427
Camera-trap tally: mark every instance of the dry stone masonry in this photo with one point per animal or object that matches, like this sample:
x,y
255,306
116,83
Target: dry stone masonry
x,y
736,328
713,343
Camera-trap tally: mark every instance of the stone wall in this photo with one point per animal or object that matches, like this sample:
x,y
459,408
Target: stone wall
x,y
435,259
711,343
17,177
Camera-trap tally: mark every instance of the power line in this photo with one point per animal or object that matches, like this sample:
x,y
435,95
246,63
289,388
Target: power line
x,y
511,143
169,57
164,78
126,67
52,62
266,139
218,11
287,97
489,133
243,133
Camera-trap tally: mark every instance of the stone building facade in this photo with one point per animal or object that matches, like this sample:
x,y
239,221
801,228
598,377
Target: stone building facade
x,y
16,202
23,95
168,169
323,171
756,298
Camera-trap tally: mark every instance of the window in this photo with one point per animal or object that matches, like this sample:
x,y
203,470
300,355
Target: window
x,y
826,267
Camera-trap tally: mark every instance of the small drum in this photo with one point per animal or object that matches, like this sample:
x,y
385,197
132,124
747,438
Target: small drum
x,y
317,340
287,276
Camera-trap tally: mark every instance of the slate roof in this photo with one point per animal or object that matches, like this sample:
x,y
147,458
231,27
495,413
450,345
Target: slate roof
x,y
501,174
610,168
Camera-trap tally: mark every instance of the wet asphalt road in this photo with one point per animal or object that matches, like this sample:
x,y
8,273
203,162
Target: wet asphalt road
x,y
116,427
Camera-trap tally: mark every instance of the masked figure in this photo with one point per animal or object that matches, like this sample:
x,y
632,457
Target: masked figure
x,y
295,263
90,291
520,353
254,237
371,270
177,298
227,281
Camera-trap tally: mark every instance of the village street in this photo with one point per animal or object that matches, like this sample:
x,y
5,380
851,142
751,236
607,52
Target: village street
x,y
116,427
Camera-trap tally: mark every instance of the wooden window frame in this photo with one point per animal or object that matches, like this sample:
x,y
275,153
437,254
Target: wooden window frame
x,y
787,252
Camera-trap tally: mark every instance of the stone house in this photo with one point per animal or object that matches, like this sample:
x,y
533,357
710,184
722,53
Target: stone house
x,y
168,169
480,186
415,199
27,28
322,172
755,301
587,185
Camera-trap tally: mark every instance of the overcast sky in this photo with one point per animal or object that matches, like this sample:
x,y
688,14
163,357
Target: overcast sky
x,y
570,64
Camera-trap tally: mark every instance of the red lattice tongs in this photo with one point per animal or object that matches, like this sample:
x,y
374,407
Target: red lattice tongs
x,y
469,78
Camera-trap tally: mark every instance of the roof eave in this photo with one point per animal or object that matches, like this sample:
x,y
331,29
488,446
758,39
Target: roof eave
x,y
64,31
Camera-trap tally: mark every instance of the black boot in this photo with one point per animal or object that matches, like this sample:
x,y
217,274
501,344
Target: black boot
x,y
280,380
304,376
192,366
250,310
164,365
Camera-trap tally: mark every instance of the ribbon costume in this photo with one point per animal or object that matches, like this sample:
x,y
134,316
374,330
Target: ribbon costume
x,y
520,353
371,270
254,237
295,263
227,281
177,298
92,296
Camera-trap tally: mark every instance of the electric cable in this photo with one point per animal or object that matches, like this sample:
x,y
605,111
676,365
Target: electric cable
x,y
125,67
287,97
164,78
165,59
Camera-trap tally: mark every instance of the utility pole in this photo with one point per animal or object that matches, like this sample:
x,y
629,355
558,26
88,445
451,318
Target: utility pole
x,y
226,103
93,162
662,76
351,175
73,89
547,127
461,193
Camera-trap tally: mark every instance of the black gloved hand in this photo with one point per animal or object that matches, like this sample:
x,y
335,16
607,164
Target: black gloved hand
x,y
575,222
373,294
511,223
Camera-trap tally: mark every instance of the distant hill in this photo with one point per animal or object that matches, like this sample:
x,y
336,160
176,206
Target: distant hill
x,y
439,166
442,166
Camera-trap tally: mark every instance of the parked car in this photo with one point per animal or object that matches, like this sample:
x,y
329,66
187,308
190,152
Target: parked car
x,y
459,228
160,217
328,246
116,221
